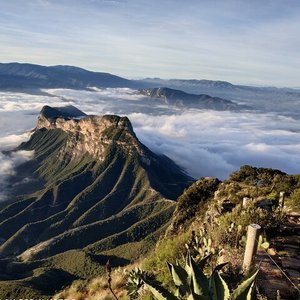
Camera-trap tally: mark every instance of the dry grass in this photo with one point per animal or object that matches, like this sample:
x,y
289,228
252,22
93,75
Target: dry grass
x,y
97,288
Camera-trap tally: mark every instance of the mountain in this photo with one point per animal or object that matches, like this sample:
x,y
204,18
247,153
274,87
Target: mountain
x,y
211,219
270,99
30,76
181,99
204,83
98,192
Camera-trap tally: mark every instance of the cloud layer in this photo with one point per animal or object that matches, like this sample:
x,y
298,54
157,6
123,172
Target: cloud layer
x,y
8,163
205,143
209,143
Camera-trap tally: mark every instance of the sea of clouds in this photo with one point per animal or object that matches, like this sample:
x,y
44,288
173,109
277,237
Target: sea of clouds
x,y
203,142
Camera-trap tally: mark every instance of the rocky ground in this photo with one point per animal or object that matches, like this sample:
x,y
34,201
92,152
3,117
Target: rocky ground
x,y
281,261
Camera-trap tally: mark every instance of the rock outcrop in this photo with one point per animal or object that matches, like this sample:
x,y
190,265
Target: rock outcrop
x,y
90,134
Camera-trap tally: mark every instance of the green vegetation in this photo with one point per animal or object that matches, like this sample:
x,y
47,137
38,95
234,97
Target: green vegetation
x,y
192,283
211,230
294,199
193,200
255,182
232,226
86,209
168,249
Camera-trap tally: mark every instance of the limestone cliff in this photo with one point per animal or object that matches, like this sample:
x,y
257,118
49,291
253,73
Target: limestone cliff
x,y
91,134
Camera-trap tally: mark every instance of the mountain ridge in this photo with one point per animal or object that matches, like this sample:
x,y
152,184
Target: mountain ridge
x,y
187,100
37,71
33,79
100,189
21,75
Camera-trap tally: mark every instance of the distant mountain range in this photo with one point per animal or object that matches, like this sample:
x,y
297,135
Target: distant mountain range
x,y
25,77
29,76
270,99
204,83
17,76
210,85
94,188
186,100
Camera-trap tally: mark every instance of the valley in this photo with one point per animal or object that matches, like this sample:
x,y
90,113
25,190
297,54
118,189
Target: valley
x,y
109,171
102,189
149,150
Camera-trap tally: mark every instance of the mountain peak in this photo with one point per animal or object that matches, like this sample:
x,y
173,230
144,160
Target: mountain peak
x,y
88,133
69,111
96,181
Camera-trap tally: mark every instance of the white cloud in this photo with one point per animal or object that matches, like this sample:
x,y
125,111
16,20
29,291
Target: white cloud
x,y
8,163
217,143
116,93
11,141
205,143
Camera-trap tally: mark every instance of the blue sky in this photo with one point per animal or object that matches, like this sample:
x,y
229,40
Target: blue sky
x,y
253,42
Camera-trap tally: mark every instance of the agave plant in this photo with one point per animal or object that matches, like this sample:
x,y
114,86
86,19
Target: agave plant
x,y
192,284
135,282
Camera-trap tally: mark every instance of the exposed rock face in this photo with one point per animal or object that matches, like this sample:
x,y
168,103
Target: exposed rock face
x,y
93,171
91,134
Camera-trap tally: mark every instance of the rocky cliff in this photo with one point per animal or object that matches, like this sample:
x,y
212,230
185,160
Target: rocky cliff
x,y
90,134
100,191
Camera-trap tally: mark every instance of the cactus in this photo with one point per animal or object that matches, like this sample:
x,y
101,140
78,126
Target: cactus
x,y
243,241
200,246
191,282
237,231
219,287
179,276
263,243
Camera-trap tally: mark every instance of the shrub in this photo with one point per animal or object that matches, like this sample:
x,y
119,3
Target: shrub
x,y
268,220
294,200
192,201
168,249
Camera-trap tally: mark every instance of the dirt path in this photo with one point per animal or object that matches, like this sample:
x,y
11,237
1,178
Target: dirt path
x,y
284,254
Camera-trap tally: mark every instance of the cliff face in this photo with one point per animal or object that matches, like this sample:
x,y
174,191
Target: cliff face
x,y
101,189
99,193
90,134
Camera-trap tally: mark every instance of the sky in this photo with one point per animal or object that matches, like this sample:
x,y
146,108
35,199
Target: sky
x,y
250,42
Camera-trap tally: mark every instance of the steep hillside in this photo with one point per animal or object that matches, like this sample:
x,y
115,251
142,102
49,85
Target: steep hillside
x,y
182,99
101,189
211,221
